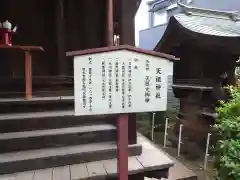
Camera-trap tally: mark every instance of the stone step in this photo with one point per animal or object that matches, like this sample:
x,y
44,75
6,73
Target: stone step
x,y
16,122
18,141
59,156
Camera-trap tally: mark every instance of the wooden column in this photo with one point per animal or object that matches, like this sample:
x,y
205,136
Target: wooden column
x,y
74,32
93,23
61,41
110,23
28,74
127,27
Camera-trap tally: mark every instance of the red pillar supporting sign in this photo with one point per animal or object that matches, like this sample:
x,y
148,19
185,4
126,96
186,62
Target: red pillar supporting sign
x,y
122,147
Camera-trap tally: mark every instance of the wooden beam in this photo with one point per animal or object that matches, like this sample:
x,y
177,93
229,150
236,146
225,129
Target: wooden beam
x,y
60,32
24,48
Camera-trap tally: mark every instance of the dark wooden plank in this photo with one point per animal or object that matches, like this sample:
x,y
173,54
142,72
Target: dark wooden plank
x,y
47,114
25,48
17,122
37,99
96,169
61,131
61,173
59,156
79,172
54,152
21,116
122,47
43,174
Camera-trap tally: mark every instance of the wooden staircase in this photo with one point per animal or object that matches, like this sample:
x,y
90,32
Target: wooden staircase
x,y
43,133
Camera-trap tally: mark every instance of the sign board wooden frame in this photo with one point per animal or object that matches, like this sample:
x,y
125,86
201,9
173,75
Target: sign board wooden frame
x,y
120,79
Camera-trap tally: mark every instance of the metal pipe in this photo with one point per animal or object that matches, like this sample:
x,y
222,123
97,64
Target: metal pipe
x,y
153,125
165,133
206,151
110,23
179,140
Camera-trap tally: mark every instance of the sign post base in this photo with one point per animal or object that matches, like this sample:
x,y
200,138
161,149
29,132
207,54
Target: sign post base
x,y
122,147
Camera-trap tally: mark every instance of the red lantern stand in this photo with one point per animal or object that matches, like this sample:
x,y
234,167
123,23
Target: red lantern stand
x,y
6,43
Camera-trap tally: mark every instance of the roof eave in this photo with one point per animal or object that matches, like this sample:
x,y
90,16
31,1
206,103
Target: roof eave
x,y
233,15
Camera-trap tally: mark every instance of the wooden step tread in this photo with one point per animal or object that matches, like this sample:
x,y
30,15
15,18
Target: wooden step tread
x,y
36,99
49,132
46,114
57,152
37,115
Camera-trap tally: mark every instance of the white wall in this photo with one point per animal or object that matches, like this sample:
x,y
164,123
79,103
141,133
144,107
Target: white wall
x,y
160,17
141,20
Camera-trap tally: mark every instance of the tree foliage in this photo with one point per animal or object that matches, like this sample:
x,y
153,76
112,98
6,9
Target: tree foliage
x,y
227,125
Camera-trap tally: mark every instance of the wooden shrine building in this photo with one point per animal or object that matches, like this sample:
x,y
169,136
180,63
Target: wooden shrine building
x,y
38,127
207,43
58,26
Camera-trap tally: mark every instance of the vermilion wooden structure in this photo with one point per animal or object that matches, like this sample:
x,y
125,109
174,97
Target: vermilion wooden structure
x,y
51,135
28,64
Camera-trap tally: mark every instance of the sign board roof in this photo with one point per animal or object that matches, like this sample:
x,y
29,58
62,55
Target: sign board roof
x,y
122,47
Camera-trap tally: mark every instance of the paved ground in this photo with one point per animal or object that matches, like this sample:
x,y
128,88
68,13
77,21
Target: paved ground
x,y
193,163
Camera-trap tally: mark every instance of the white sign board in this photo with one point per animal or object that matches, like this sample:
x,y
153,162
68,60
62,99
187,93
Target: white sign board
x,y
120,81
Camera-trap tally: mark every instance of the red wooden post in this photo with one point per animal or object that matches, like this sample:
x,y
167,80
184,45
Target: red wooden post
x,y
110,23
122,147
28,74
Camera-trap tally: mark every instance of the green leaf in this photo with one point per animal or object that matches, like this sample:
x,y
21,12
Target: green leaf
x,y
227,162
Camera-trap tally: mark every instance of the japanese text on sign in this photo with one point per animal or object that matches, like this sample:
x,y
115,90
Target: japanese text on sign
x,y
120,82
